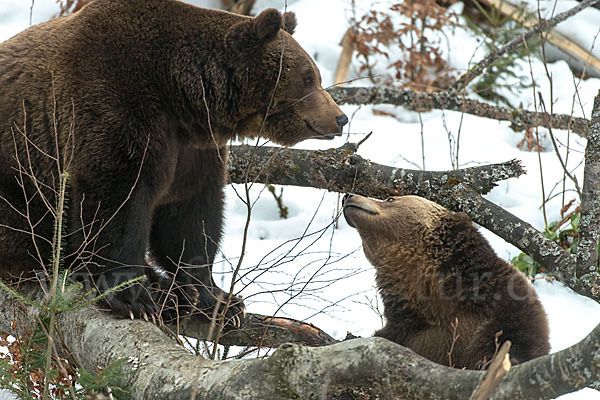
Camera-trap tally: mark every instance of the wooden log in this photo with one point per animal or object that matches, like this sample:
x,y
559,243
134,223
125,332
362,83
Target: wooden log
x,y
341,72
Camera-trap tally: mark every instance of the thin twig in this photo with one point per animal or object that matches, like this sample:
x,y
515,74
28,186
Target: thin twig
x,y
563,164
364,139
537,136
31,12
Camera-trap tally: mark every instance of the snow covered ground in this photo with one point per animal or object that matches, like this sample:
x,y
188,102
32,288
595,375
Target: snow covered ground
x,y
311,267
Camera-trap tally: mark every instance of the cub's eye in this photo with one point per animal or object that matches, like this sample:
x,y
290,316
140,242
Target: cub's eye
x,y
390,199
308,82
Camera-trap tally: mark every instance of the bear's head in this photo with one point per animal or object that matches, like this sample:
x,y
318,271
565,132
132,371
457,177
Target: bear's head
x,y
405,230
415,244
284,100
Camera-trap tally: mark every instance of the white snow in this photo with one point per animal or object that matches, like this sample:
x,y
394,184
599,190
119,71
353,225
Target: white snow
x,y
324,277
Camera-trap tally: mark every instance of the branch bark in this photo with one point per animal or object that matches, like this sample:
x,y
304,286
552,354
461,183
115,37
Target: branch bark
x,y
542,26
597,6
158,368
586,274
456,102
342,170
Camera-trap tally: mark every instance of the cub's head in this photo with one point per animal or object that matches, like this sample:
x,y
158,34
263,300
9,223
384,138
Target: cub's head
x,y
284,98
404,229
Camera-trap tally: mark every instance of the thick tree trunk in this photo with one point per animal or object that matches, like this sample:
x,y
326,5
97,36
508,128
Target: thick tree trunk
x,y
586,276
158,368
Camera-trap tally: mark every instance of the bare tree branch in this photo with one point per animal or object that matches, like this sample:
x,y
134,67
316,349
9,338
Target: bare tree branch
x,y
293,371
456,102
542,26
260,330
586,274
342,170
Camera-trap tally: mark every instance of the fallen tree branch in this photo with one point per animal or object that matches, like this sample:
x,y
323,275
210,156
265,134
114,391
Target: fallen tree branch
x,y
540,27
158,368
456,102
261,331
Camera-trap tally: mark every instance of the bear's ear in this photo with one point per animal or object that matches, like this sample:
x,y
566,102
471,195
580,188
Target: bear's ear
x,y
289,22
452,225
251,35
457,220
268,23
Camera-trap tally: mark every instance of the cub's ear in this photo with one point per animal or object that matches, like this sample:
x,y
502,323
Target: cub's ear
x,y
289,22
457,220
251,35
452,226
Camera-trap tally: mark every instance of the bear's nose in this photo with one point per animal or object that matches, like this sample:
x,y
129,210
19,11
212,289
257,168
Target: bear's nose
x,y
347,197
342,120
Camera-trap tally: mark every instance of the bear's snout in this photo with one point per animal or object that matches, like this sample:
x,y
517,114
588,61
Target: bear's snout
x,y
342,120
347,197
358,210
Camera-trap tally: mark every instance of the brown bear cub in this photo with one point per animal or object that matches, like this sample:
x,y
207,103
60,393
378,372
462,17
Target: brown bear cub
x,y
434,268
137,100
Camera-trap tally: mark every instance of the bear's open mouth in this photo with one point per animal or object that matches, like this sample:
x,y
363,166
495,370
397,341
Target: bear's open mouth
x,y
321,135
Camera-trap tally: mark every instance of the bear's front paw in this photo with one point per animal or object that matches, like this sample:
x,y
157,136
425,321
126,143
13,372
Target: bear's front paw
x,y
212,303
132,302
175,302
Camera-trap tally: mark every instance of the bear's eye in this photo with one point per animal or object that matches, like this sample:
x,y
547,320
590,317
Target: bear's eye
x,y
308,82
389,199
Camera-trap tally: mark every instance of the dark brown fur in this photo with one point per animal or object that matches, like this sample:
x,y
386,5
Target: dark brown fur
x,y
433,266
122,90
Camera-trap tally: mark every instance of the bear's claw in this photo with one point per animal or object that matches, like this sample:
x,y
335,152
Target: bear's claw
x,y
132,302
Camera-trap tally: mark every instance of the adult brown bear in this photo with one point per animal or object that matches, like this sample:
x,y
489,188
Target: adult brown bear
x,y
432,268
136,100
